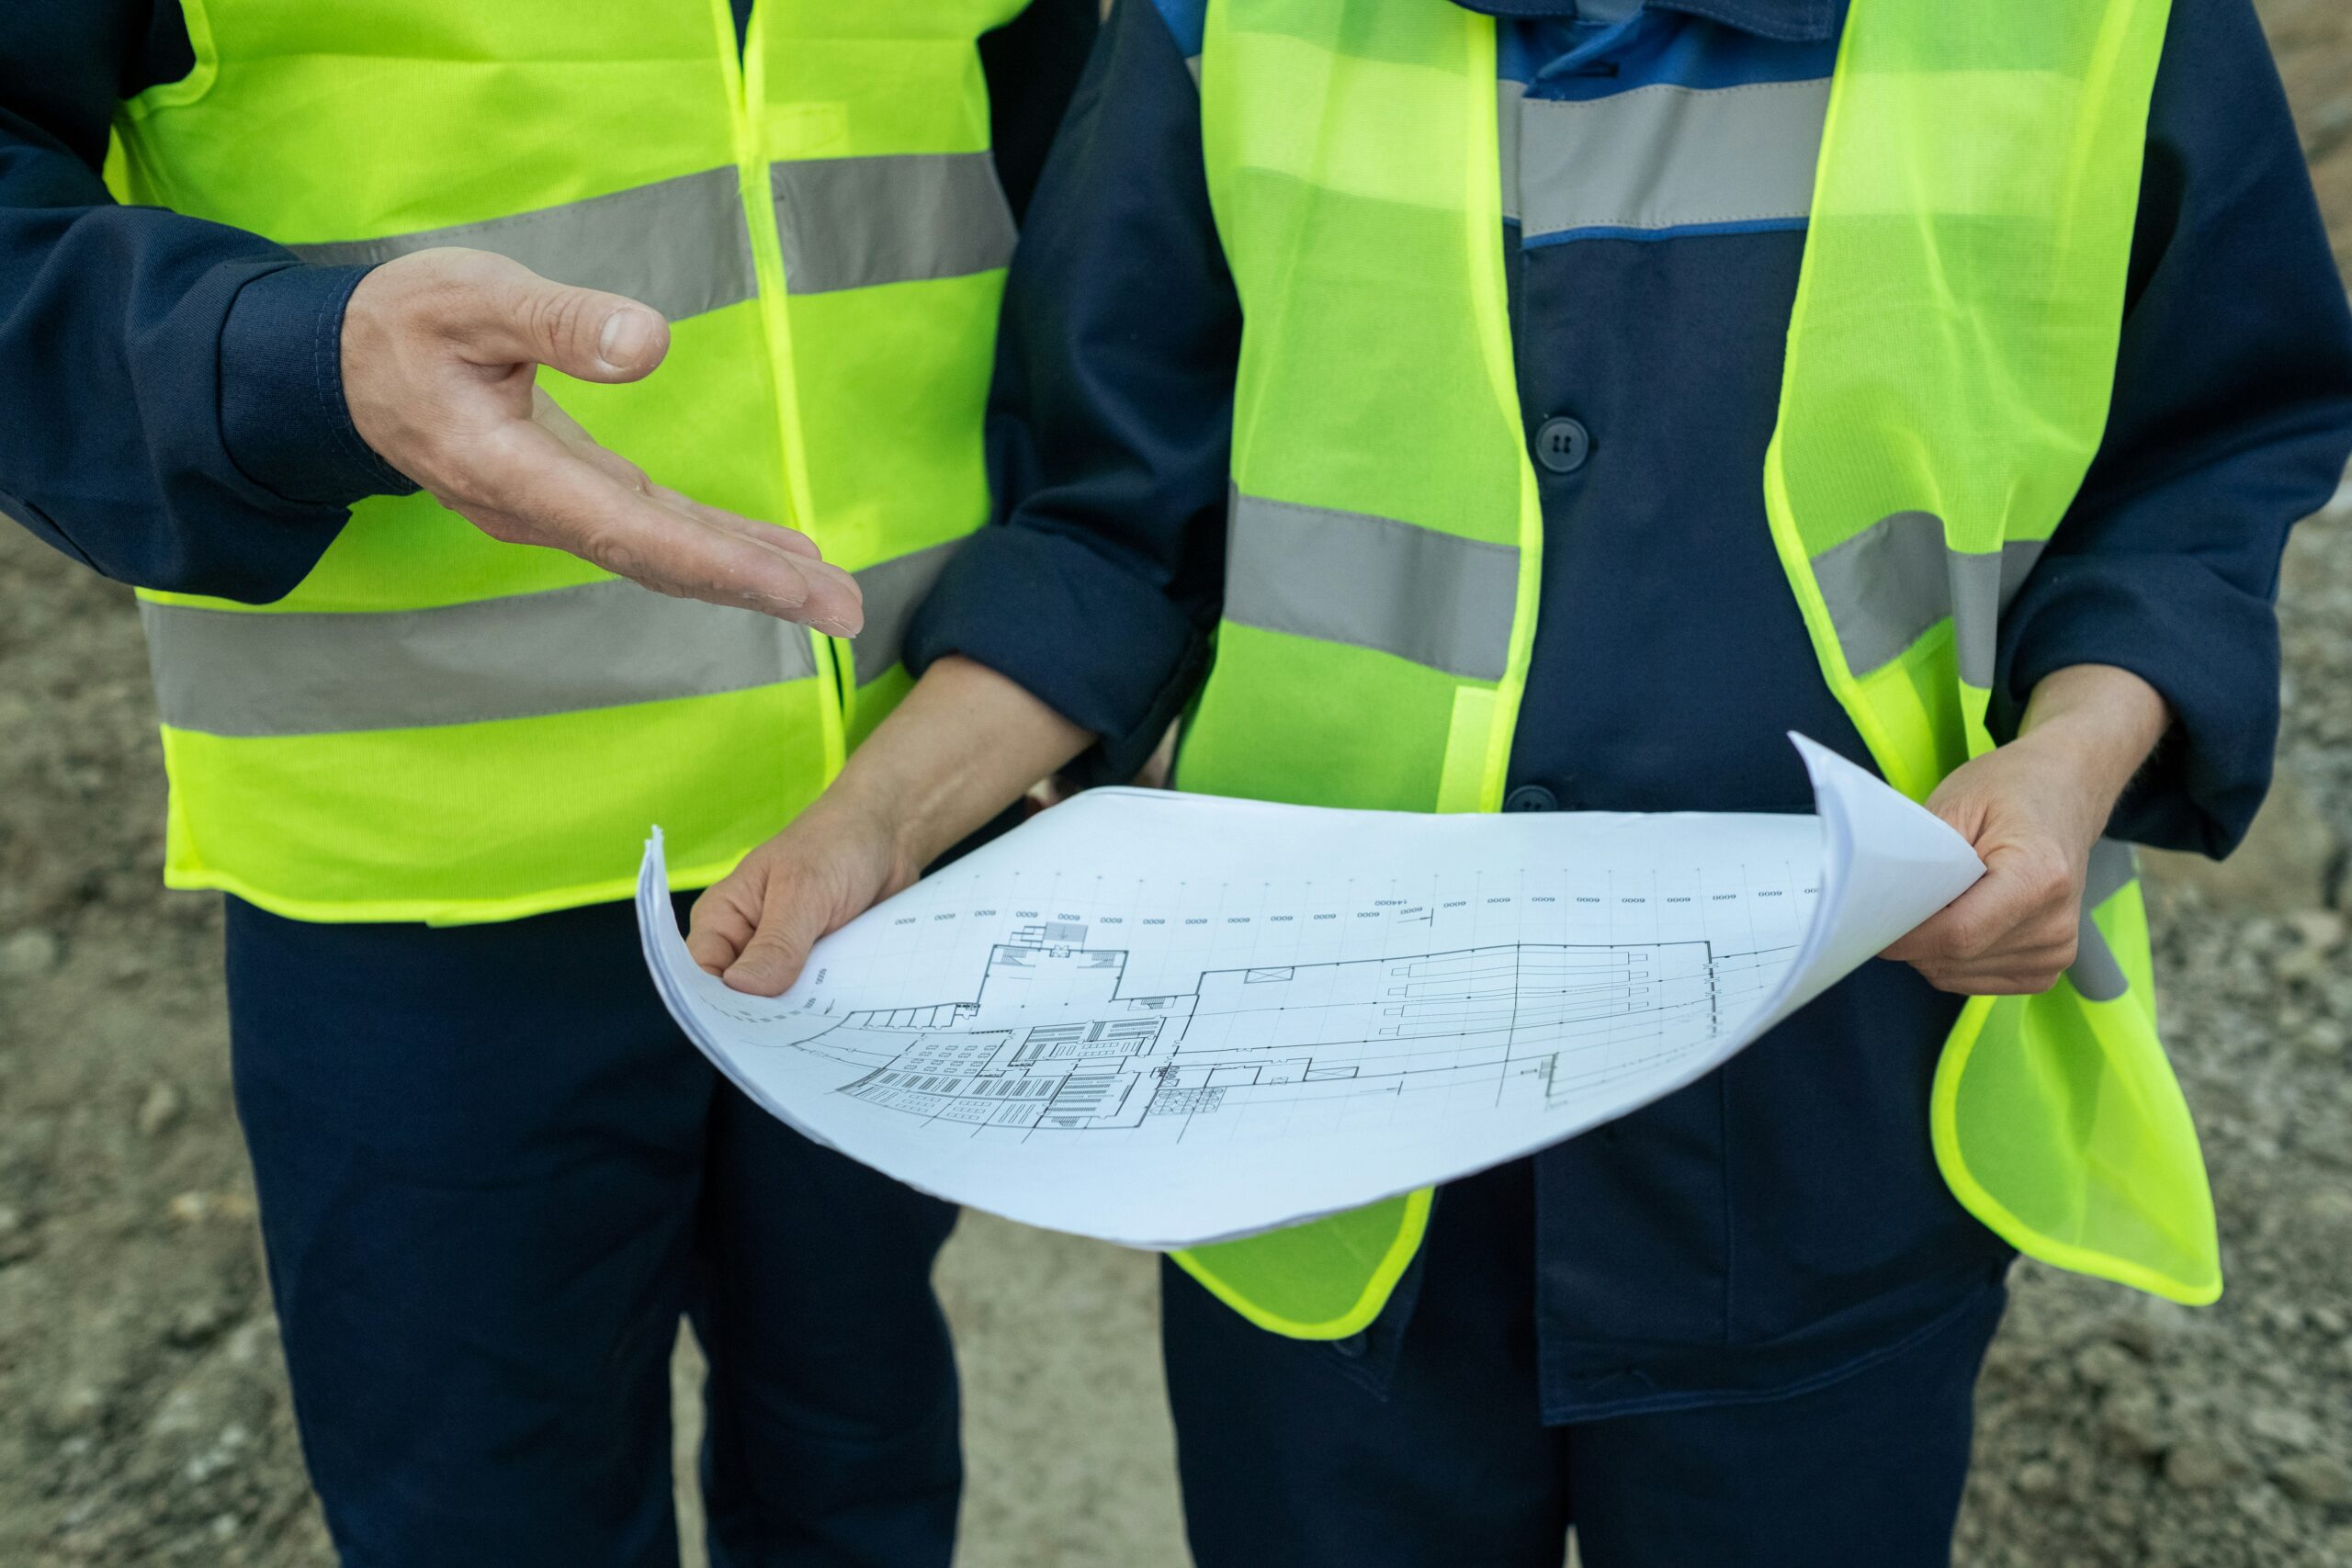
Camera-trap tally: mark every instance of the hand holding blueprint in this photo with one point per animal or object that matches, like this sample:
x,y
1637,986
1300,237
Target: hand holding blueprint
x,y
1165,1020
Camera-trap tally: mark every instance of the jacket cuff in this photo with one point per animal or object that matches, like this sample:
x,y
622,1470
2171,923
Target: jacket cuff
x,y
1098,645
2211,649
283,418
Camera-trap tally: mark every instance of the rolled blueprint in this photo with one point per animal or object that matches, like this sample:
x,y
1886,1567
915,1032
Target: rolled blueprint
x,y
1164,1019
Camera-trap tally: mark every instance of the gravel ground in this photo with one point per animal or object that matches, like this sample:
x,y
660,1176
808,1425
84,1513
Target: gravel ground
x,y
143,1417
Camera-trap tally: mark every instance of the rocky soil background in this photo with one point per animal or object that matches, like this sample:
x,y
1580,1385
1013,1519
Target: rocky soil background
x,y
143,1417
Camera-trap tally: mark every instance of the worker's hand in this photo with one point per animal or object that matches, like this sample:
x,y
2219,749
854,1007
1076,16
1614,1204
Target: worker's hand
x,y
2032,824
838,860
441,350
2032,809
965,744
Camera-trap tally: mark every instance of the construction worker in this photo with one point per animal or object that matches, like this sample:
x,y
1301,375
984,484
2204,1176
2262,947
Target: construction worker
x,y
283,371
1937,380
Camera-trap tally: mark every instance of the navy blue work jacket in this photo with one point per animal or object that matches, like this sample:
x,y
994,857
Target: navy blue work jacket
x,y
166,413
1782,1221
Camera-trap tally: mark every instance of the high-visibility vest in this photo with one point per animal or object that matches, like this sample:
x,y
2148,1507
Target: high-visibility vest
x,y
435,725
1951,359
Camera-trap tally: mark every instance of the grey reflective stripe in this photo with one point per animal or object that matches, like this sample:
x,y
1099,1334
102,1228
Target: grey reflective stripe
x,y
893,591
1888,586
2113,867
860,222
679,245
2096,974
1373,583
600,645
1507,96
1669,157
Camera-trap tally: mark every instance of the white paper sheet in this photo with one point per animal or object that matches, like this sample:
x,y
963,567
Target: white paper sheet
x,y
1164,1018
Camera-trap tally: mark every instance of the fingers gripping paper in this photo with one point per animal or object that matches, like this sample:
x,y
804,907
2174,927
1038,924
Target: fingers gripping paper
x,y
1165,1020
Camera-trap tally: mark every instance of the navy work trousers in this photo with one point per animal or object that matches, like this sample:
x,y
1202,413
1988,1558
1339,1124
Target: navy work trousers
x,y
492,1176
1421,1443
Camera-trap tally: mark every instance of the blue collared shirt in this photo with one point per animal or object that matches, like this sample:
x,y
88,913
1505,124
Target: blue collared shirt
x,y
1784,1220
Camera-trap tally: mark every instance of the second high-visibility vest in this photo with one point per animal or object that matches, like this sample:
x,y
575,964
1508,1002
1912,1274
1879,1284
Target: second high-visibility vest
x,y
438,727
1951,359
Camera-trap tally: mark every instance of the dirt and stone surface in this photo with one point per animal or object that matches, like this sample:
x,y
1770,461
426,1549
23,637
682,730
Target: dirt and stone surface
x,y
143,1415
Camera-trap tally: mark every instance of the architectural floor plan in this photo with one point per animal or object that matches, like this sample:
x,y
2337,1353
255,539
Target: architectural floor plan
x,y
1164,1018
1050,1042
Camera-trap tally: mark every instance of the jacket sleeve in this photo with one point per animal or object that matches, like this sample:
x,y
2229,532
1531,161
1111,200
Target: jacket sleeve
x,y
171,400
2232,420
1110,422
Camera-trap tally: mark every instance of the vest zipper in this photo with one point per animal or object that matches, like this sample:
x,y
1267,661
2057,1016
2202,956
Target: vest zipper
x,y
747,90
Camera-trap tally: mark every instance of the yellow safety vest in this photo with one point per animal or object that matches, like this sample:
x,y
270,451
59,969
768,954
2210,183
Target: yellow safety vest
x,y
1950,358
435,725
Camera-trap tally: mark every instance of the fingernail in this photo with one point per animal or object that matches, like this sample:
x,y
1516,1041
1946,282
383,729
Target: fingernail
x,y
628,335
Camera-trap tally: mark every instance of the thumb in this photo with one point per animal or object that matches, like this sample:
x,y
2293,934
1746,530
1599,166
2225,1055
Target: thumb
x,y
584,332
1964,801
790,923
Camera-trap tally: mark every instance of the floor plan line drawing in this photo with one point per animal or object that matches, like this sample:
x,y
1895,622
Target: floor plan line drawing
x,y
1163,1019
1049,1043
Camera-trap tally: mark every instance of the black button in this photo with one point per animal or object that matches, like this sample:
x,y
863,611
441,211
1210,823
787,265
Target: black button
x,y
1531,797
1562,446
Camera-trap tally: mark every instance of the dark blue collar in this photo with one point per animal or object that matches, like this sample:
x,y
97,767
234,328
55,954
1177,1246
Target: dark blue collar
x,y
1789,22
